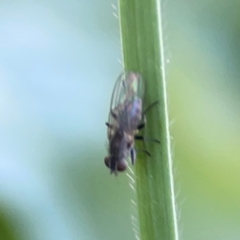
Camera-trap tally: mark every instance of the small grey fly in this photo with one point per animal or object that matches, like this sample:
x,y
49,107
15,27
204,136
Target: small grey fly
x,y
125,119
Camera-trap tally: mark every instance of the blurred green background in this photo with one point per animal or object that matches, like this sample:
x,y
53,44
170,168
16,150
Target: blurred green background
x,y
58,65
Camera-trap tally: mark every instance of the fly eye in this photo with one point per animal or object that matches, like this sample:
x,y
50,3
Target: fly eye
x,y
122,166
107,161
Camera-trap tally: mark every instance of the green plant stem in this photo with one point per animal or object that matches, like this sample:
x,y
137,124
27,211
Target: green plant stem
x,y
142,45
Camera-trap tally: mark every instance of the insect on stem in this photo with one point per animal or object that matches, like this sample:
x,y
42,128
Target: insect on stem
x,y
126,117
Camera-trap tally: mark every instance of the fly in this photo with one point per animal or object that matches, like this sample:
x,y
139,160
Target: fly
x,y
125,119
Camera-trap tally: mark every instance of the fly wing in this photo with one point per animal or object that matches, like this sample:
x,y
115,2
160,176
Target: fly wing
x,y
126,103
117,95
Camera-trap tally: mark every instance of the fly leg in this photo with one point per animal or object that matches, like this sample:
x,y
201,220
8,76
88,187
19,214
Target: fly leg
x,y
149,107
133,154
114,115
142,124
109,125
145,151
139,137
142,138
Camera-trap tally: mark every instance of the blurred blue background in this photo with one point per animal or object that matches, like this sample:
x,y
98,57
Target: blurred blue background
x,y
58,65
